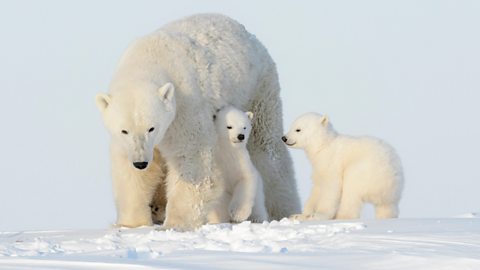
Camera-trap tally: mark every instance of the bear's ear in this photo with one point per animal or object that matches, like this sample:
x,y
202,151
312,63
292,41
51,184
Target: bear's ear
x,y
324,120
249,115
166,93
102,100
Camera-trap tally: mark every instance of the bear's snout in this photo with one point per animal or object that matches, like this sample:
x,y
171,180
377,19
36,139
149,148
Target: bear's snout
x,y
140,165
241,137
284,139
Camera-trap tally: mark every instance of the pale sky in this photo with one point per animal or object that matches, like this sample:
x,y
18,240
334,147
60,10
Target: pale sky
x,y
405,71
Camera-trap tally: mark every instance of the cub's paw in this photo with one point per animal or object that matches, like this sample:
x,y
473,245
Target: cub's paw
x,y
239,213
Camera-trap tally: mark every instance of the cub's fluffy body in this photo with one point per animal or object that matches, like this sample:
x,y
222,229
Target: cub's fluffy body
x,y
347,171
243,196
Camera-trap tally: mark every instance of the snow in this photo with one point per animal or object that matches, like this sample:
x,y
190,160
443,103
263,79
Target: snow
x,y
452,243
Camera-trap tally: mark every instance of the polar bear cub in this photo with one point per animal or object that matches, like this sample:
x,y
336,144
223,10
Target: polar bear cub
x,y
243,196
347,171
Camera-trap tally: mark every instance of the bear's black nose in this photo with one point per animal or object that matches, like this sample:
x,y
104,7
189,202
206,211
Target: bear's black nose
x,y
140,165
284,139
241,137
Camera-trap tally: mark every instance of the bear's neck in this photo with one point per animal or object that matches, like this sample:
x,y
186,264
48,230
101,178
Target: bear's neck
x,y
239,150
317,149
228,146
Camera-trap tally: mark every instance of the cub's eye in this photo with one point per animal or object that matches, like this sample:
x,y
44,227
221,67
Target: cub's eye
x,y
244,127
229,127
298,130
151,129
124,131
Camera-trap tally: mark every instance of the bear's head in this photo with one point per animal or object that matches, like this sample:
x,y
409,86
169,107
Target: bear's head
x,y
233,125
137,119
309,129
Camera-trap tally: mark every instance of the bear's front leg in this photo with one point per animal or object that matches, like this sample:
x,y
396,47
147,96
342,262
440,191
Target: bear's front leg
x,y
310,206
324,200
193,181
219,213
133,190
192,187
326,195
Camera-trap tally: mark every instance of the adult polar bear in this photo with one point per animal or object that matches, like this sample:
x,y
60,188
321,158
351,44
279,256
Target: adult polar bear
x,y
166,89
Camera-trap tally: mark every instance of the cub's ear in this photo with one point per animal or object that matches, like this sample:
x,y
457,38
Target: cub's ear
x,y
249,115
324,120
102,100
166,93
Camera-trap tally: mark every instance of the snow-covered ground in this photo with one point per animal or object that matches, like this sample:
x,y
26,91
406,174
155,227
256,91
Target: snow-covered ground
x,y
365,244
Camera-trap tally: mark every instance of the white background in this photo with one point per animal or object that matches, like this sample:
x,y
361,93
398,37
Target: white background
x,y
404,71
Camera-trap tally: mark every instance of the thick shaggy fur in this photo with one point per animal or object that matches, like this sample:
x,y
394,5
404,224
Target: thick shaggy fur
x,y
347,171
243,196
173,80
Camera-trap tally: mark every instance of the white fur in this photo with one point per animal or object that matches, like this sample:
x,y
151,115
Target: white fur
x,y
347,171
243,195
172,80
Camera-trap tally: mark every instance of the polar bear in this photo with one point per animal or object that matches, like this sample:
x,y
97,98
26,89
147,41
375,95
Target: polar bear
x,y
243,195
347,171
167,86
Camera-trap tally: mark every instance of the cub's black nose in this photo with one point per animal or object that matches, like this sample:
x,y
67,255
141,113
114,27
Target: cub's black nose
x,y
284,139
241,137
140,165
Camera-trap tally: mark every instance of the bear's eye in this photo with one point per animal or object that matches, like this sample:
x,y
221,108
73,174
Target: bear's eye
x,y
151,129
124,131
229,127
298,130
244,127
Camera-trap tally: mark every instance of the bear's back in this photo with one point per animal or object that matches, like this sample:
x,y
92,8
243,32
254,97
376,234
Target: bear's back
x,y
207,54
211,24
368,149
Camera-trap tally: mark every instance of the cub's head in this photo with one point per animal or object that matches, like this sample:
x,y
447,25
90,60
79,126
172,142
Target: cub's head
x,y
137,119
308,129
233,125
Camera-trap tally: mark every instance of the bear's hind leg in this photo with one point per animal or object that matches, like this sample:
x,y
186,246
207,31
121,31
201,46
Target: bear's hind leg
x,y
350,204
349,209
269,154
